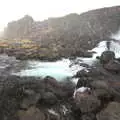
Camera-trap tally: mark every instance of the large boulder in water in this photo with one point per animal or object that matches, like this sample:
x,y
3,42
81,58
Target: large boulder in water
x,y
106,56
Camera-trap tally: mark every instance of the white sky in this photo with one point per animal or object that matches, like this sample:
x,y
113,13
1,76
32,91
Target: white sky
x,y
42,9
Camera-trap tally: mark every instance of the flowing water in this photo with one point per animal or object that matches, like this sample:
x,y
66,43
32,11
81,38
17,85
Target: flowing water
x,y
65,68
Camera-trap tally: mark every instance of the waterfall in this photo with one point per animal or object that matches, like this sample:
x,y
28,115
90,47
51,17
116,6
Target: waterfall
x,y
115,47
115,43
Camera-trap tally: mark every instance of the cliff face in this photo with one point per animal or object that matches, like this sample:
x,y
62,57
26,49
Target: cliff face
x,y
72,33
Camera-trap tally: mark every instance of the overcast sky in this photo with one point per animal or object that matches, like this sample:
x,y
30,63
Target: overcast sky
x,y
42,9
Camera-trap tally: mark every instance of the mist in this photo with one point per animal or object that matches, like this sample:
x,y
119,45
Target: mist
x,y
40,10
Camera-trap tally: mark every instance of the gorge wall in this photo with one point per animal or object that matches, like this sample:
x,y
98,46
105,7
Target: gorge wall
x,y
69,35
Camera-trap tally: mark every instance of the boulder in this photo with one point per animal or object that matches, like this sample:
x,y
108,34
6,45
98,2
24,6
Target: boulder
x,y
91,72
106,56
99,84
88,116
86,102
82,82
49,98
32,113
30,99
113,66
81,73
111,112
102,94
51,81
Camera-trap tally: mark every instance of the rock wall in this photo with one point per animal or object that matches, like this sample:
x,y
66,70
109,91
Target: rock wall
x,y
69,35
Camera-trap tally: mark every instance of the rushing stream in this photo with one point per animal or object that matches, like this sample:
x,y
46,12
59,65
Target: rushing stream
x,y
62,69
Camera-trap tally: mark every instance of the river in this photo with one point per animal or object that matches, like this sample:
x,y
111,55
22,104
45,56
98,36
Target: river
x,y
65,68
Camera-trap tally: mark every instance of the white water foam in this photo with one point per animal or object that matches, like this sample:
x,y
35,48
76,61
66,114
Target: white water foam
x,y
101,47
116,35
60,69
64,68
51,111
115,45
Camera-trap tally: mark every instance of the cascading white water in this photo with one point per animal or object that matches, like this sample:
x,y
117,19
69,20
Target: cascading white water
x,y
62,69
115,45
116,35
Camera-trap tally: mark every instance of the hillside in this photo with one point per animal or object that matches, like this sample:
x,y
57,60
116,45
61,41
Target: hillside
x,y
70,35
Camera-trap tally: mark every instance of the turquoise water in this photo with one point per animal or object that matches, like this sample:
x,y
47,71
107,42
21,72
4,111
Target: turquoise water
x,y
59,69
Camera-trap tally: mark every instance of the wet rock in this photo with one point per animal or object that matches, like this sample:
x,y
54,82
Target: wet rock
x,y
82,82
91,72
7,64
102,94
112,112
51,81
84,65
88,116
32,113
106,56
30,99
87,54
86,102
67,87
113,66
118,59
29,92
102,90
49,98
99,84
81,73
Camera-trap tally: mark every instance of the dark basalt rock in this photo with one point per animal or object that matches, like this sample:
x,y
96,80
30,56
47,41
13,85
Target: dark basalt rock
x,y
32,113
87,103
31,98
88,116
51,81
104,95
111,112
66,36
25,98
82,82
106,56
99,84
49,98
113,66
90,72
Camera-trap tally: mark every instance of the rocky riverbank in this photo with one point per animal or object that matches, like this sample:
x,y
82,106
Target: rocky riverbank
x,y
95,97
